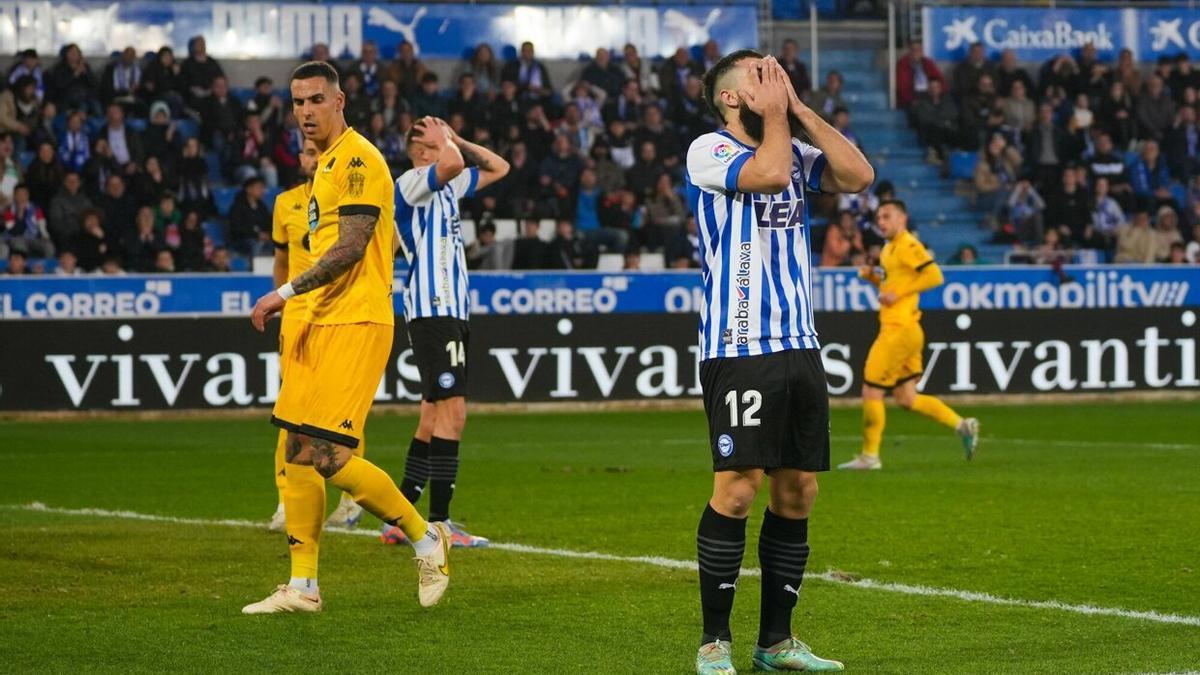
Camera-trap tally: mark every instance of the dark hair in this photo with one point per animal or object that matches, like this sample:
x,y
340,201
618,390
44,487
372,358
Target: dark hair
x,y
898,203
24,81
429,77
311,69
717,71
843,109
15,250
261,81
251,181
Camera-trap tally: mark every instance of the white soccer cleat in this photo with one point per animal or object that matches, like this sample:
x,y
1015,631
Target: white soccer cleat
x,y
968,430
278,521
433,570
862,463
346,515
285,600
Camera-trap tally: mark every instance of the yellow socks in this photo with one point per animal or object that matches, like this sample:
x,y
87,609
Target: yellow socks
x,y
931,406
873,420
280,461
304,509
375,491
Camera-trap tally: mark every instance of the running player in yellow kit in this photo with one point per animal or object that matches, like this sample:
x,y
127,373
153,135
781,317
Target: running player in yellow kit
x,y
894,361
341,351
289,233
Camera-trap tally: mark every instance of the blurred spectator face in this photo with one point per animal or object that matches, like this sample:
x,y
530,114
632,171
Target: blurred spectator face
x,y
1069,180
1125,58
833,82
91,225
633,261
352,84
565,229
1008,59
841,119
320,52
191,148
1101,188
308,159
602,57
263,86
166,56
935,88
166,205
628,200
531,227
967,255
789,50
164,261
161,116
692,228
199,47
71,182
846,222
72,55
526,51
1050,239
220,259
16,262
1178,254
1089,52
1150,151
220,87
404,121
663,185
1081,102
654,117
571,114
45,153
1155,86
647,152
1018,90
466,84
191,221
599,152
67,262
630,90
370,52
631,53
680,57
1045,113
1187,115
712,52
27,89
996,145
1141,219
1168,220
458,123
388,90
1104,144
115,186
587,179
487,235
405,51
975,55
1116,92
115,116
562,146
508,89
694,87
20,196
377,124
145,221
6,147
75,121
111,266
519,153
986,85
254,123
256,189
128,56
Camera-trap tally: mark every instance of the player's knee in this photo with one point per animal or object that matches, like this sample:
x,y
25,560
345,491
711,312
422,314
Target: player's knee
x,y
452,413
905,398
734,498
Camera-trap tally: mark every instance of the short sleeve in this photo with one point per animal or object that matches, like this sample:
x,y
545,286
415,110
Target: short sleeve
x,y
465,182
365,184
714,163
278,230
812,163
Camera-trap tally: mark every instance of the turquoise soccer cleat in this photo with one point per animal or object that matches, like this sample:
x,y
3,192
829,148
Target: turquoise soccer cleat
x,y
792,654
715,658
968,430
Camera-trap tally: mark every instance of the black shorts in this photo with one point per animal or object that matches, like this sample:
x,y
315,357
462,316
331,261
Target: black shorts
x,y
440,346
767,412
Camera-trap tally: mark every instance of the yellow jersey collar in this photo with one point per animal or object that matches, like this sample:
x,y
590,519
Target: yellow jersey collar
x,y
336,142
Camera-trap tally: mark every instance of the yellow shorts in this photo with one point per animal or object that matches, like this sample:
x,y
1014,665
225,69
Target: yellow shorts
x,y
329,386
895,356
290,330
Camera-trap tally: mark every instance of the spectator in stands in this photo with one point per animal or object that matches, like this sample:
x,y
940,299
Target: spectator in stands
x,y
1127,72
369,69
1150,178
1135,241
675,72
389,103
567,251
1107,163
164,262
1060,72
92,243
471,104
506,110
199,71
620,212
979,113
690,114
842,240
1155,110
266,105
190,255
486,253
603,73
219,261
125,143
194,191
11,172
1048,149
965,255
538,133
936,119
161,138
1019,112
1107,215
862,206
914,73
66,211
1070,210
1183,77
24,225
558,175
609,175
589,99
118,206
632,261
641,176
122,78
1166,233
28,65
17,263
250,220
968,73
531,76
72,84
320,52
529,251
1025,207
996,170
796,69
829,97
1081,121
665,212
428,100
389,143
167,214
666,144
221,114
1192,251
68,264
1011,72
634,67
358,104
683,252
1183,145
141,246
626,106
580,135
20,111
710,53
111,266
44,175
74,148
406,70
1051,250
163,80
841,122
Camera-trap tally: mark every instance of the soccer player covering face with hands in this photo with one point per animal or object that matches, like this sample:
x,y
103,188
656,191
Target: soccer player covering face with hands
x,y
764,385
341,350
437,307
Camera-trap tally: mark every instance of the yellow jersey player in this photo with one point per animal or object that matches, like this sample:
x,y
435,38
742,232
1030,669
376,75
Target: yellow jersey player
x,y
289,233
341,351
894,362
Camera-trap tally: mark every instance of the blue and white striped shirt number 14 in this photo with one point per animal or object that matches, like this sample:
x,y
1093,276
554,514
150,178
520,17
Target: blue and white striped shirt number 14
x,y
754,249
432,242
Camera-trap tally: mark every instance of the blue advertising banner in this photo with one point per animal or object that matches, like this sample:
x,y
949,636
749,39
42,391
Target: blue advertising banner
x,y
437,30
1167,32
1035,34
517,293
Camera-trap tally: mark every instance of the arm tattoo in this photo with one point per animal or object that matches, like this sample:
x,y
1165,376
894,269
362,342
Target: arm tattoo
x,y
472,155
354,232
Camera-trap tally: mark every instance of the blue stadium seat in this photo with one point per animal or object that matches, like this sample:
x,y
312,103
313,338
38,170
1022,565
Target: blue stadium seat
x,y
243,94
238,264
215,232
26,158
214,166
962,164
223,198
187,128
93,125
270,194
137,124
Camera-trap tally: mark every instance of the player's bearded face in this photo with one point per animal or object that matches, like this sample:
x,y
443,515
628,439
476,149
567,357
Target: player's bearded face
x,y
751,121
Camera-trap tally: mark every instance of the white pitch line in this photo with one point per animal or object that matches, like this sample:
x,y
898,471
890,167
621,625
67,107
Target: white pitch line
x,y
671,563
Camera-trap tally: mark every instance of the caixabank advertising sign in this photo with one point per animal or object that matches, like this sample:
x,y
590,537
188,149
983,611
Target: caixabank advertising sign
x,y
218,363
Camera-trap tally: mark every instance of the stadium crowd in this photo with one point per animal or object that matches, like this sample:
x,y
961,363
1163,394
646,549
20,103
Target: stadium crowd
x,y
1082,155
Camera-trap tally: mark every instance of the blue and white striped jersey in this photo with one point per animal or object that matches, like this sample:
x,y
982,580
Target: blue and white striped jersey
x,y
431,240
755,251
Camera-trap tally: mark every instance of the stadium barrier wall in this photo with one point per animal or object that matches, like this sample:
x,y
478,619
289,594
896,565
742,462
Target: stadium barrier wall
x,y
222,363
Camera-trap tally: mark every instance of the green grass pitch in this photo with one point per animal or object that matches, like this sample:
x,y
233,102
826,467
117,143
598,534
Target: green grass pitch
x,y
1088,504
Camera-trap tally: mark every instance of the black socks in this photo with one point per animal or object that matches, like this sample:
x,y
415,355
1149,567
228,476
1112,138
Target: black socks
x,y
720,543
783,554
443,471
416,471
